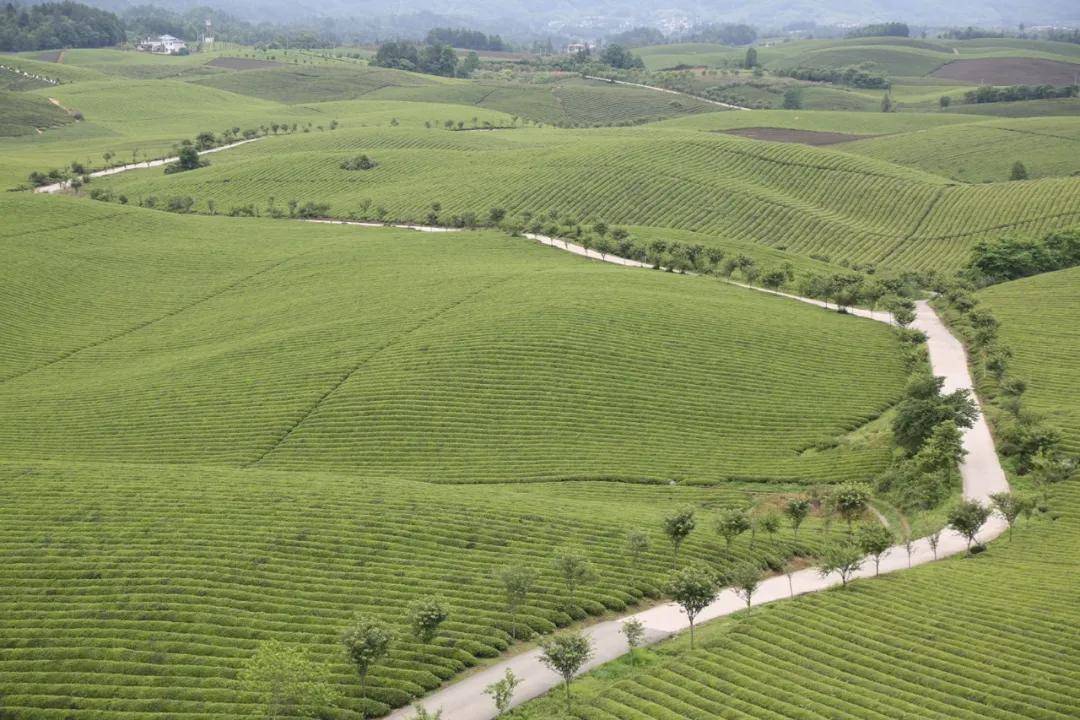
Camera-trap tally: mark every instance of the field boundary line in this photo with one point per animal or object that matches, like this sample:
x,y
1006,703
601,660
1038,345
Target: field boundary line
x,y
148,323
350,372
980,470
729,106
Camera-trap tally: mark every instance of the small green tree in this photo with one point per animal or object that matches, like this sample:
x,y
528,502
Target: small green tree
x,y
886,103
875,540
634,631
797,510
366,642
575,570
745,580
566,654
944,101
770,523
502,692
731,524
496,215
286,682
751,59
793,99
678,527
694,589
516,582
934,539
967,517
844,558
850,500
909,546
1018,172
1008,505
422,713
1048,468
637,544
425,616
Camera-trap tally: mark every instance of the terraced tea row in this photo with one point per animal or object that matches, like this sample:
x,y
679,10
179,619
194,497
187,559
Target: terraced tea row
x,y
1040,322
139,591
811,201
985,637
464,358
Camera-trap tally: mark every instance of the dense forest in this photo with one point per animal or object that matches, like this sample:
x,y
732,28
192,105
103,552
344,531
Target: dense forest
x,y
465,38
57,25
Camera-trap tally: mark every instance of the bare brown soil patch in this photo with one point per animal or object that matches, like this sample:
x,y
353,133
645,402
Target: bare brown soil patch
x,y
1010,71
52,56
234,63
804,137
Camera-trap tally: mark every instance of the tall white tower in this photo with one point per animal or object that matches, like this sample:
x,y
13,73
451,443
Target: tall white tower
x,y
208,36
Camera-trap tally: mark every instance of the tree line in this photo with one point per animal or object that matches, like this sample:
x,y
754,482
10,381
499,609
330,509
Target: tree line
x,y
465,38
57,25
437,59
860,76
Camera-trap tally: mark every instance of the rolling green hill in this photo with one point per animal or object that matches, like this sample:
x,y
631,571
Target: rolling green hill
x,y
25,114
981,638
463,358
1040,318
812,201
984,152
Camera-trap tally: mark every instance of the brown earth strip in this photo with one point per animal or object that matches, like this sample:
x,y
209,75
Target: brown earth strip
x,y
235,63
788,135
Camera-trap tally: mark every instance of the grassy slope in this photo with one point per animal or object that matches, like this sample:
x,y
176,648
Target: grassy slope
x,y
985,638
989,637
452,358
140,590
985,151
1040,321
25,114
811,200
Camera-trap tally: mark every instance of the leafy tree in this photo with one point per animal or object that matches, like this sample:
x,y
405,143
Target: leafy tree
x,y
934,539
1018,172
496,215
422,713
502,692
845,559
909,546
886,103
1008,505
923,408
770,523
793,99
850,501
1048,468
286,681
366,642
774,278
517,581
187,159
944,101
745,580
751,59
637,544
566,654
694,589
425,616
678,527
875,540
575,570
634,631
732,523
620,58
797,510
967,517
360,162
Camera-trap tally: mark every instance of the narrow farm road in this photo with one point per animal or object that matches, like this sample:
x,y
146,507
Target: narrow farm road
x,y
981,472
57,187
729,106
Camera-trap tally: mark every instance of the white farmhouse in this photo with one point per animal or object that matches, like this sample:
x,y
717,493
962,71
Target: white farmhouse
x,y
163,44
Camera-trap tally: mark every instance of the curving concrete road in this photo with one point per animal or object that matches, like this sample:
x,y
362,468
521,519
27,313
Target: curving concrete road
x,y
116,170
981,472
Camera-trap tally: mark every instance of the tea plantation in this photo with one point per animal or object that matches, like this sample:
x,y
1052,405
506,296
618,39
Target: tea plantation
x,y
452,358
223,424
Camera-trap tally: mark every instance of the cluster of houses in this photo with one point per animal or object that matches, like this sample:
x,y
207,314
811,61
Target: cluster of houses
x,y
169,45
163,44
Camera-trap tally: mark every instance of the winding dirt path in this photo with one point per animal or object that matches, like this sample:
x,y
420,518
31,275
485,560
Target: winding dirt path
x,y
729,106
981,472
